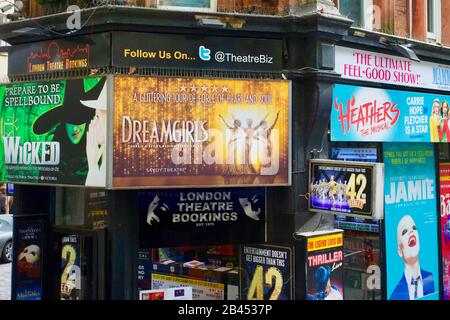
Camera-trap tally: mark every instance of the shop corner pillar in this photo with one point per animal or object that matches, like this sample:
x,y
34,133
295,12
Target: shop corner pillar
x,y
309,63
304,7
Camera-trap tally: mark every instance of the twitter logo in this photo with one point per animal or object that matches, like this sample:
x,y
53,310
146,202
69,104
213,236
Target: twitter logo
x,y
204,53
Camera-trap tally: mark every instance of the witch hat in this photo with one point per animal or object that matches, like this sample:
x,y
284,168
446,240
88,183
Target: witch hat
x,y
74,110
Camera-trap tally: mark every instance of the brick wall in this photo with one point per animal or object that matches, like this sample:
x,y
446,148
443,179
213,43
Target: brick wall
x,y
419,27
445,22
401,18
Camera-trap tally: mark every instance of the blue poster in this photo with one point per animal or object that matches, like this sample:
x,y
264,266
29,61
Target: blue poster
x,y
370,114
29,253
411,222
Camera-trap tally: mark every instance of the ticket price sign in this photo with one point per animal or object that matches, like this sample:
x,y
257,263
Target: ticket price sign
x,y
266,272
346,188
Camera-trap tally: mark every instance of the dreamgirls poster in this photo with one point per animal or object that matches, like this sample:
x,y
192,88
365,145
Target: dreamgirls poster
x,y
194,132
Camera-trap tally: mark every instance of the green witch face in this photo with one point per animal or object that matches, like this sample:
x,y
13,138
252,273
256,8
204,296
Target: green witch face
x,y
75,132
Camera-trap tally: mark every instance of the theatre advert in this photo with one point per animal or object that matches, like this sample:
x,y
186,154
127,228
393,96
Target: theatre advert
x,y
200,132
54,132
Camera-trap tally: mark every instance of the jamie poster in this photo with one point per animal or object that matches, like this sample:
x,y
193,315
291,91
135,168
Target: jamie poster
x,y
71,268
261,262
444,176
412,258
370,114
29,251
324,267
200,132
54,132
173,216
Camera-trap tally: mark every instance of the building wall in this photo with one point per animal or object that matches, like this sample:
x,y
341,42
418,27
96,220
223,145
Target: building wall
x,y
394,14
395,19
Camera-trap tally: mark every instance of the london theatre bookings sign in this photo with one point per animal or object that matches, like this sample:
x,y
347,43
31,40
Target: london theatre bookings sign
x,y
172,217
182,132
53,132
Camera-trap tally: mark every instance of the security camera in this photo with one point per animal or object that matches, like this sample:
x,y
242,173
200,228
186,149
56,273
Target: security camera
x,y
5,6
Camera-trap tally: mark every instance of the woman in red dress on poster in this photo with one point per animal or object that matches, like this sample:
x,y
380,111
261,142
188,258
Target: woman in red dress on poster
x,y
443,128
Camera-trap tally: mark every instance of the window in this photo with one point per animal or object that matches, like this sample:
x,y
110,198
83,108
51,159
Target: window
x,y
360,11
188,5
433,20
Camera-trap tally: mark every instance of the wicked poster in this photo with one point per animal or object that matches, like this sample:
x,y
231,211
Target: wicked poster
x,y
29,251
194,217
175,132
54,132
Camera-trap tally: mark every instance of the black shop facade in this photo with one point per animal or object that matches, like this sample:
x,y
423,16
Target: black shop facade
x,y
171,167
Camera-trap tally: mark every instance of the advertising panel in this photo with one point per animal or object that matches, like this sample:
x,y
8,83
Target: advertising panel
x,y
54,132
376,67
345,188
370,114
96,208
351,222
201,290
354,154
29,251
412,257
59,54
444,176
200,132
324,267
174,217
262,262
144,270
71,268
181,293
138,49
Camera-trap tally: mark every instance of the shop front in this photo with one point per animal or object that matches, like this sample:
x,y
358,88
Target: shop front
x,y
398,108
175,166
153,185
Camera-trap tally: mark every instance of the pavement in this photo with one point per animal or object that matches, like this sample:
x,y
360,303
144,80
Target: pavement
x,y
5,281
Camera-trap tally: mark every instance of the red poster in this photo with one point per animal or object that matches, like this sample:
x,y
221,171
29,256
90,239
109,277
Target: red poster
x,y
444,175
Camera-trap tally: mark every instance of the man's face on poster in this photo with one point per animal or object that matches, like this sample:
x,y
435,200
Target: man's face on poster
x,y
408,240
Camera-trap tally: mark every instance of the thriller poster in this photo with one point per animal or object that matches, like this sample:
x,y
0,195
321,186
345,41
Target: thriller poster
x,y
200,132
54,132
324,267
